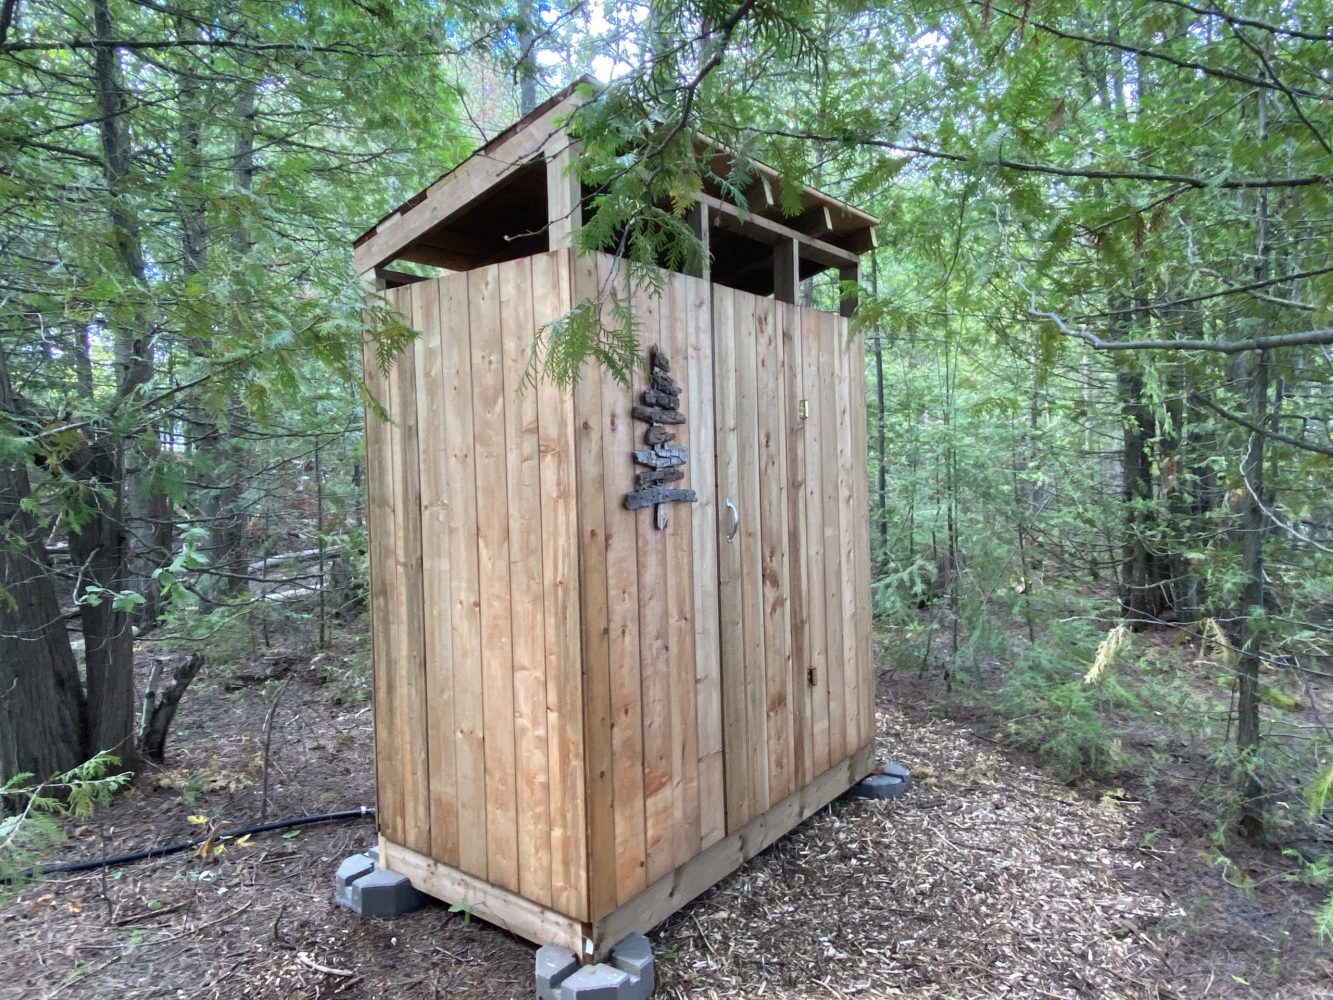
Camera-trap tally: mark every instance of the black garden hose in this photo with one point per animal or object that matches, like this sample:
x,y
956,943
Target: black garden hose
x,y
161,852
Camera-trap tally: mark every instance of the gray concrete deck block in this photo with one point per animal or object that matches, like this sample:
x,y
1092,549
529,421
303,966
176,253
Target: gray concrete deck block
x,y
554,966
891,781
634,957
595,982
353,868
627,975
384,894
371,891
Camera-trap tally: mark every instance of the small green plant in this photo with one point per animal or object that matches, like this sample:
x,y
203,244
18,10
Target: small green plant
x,y
29,823
464,908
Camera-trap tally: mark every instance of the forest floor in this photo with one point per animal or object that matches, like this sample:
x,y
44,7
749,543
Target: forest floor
x,y
989,879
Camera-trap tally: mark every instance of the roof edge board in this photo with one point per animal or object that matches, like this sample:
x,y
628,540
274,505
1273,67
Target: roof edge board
x,y
452,193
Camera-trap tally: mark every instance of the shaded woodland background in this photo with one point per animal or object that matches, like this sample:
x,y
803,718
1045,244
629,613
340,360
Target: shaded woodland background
x,y
1098,326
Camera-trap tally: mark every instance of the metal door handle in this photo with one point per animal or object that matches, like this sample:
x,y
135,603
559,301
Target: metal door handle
x,y
735,521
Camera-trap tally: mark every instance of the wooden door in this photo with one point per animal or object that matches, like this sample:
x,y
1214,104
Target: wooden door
x,y
791,522
759,732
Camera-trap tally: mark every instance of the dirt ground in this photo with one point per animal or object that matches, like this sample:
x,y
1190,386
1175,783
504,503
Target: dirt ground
x,y
988,880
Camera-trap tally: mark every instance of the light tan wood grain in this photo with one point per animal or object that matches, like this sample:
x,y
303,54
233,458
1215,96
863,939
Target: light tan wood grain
x,y
773,542
592,487
796,587
526,598
465,664
625,624
812,551
731,624
864,607
551,283
749,314
654,652
497,661
679,538
409,692
704,560
435,529
847,476
834,610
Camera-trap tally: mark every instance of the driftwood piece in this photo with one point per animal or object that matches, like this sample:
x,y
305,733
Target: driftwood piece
x,y
665,400
657,434
643,479
664,456
657,415
657,494
658,360
663,382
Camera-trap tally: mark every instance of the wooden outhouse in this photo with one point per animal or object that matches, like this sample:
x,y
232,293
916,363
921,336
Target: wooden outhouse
x,y
585,714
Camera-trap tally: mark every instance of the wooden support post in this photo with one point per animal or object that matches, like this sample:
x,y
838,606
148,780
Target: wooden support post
x,y
564,209
848,306
697,218
786,270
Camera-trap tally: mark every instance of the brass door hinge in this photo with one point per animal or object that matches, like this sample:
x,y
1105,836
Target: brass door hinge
x,y
803,409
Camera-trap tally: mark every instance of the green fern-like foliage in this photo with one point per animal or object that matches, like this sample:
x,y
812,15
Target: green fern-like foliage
x,y
29,825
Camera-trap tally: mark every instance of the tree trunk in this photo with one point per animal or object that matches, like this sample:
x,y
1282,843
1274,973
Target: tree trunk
x,y
100,548
1252,605
1144,578
227,546
42,710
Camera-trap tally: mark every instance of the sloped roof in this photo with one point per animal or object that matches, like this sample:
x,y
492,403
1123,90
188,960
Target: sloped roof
x,y
482,210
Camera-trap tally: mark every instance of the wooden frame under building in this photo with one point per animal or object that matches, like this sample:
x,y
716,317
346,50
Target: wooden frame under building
x,y
587,714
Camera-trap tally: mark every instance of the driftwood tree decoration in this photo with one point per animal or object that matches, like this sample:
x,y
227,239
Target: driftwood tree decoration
x,y
661,402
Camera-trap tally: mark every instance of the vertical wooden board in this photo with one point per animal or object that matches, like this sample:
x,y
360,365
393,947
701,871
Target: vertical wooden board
x,y
379,523
464,581
654,663
797,587
773,542
526,601
393,820
560,580
497,661
435,530
829,391
410,658
816,444
600,862
626,628
704,522
864,605
731,630
750,540
847,528
679,536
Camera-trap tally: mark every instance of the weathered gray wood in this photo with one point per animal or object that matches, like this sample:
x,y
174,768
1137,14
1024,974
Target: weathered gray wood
x,y
643,479
663,382
658,359
657,494
666,400
664,456
656,415
657,434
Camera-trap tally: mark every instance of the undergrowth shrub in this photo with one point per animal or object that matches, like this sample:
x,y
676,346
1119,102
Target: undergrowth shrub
x,y
1054,711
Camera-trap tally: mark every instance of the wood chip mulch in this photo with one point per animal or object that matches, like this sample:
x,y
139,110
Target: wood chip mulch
x,y
987,880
